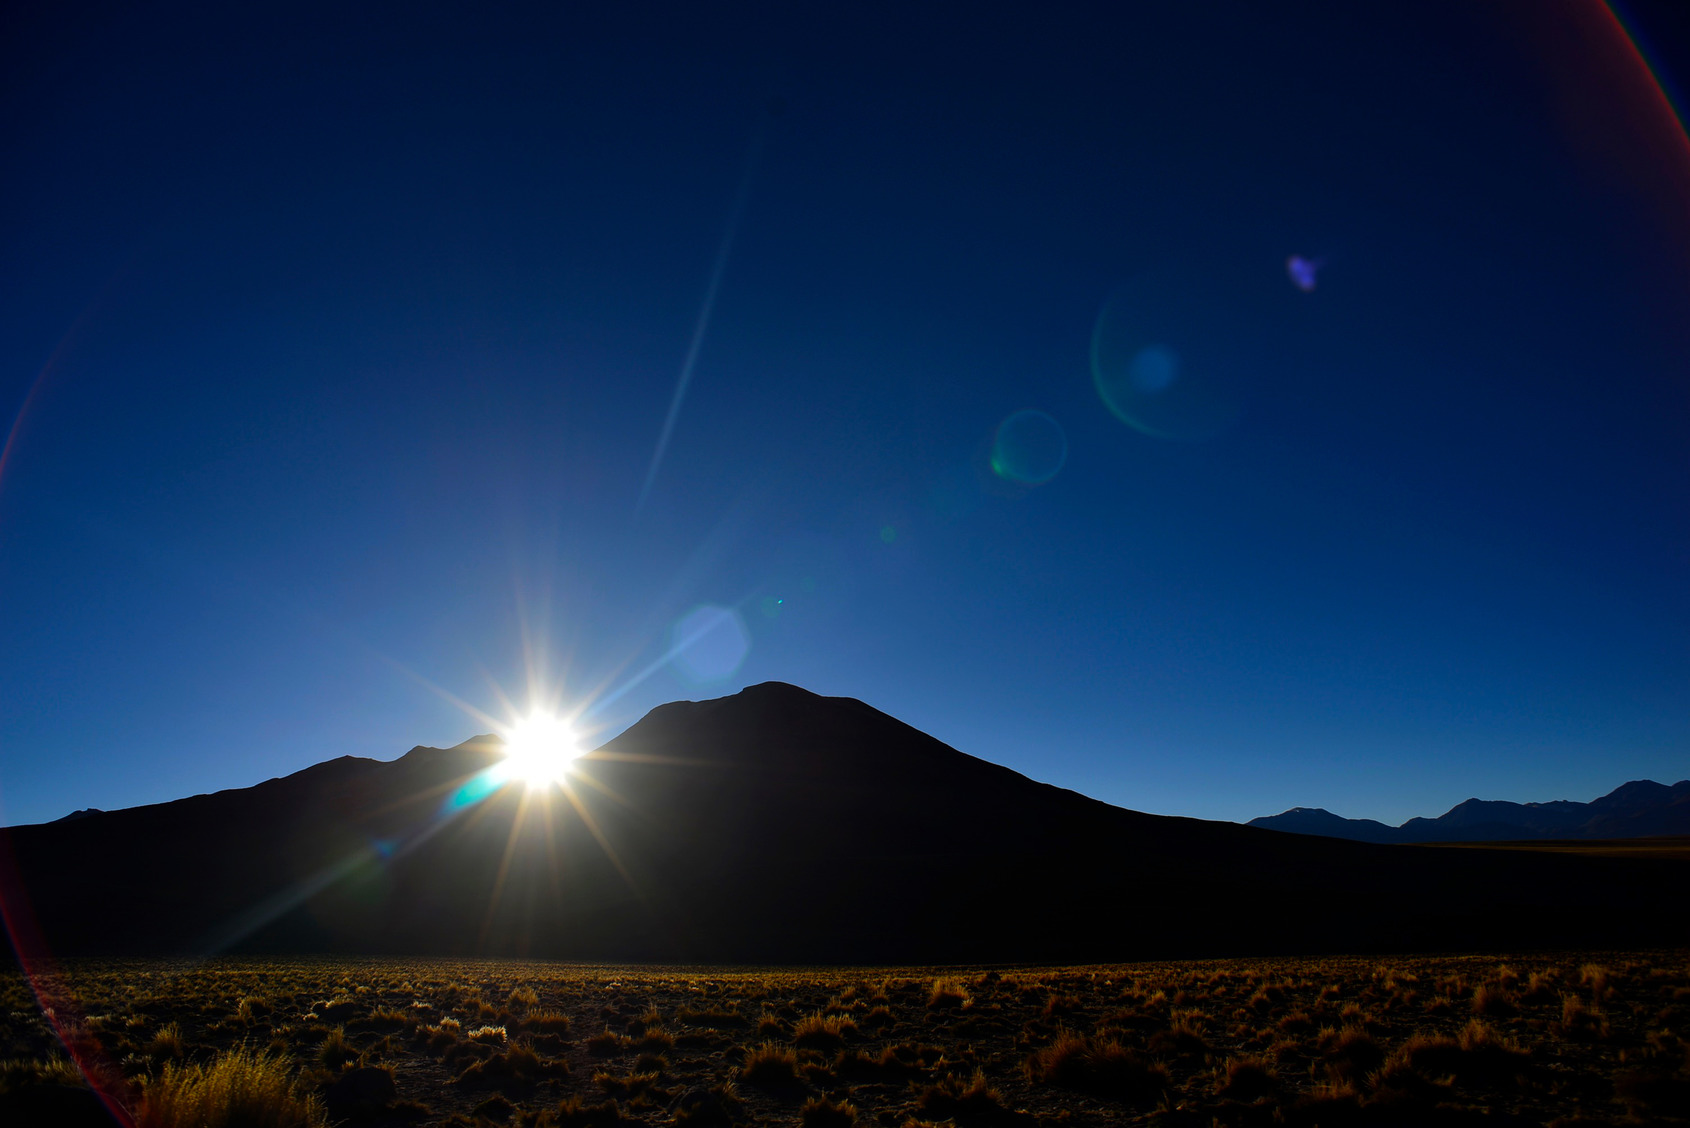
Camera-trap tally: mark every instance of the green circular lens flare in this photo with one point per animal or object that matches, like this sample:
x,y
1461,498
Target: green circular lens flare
x,y
1029,448
1171,354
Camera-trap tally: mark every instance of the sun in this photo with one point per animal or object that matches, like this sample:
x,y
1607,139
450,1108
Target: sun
x,y
539,749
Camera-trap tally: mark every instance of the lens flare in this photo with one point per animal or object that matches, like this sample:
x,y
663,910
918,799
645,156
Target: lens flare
x,y
1029,448
1302,272
709,643
538,750
1172,353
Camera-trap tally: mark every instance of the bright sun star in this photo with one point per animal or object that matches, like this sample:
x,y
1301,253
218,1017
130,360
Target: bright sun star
x,y
538,750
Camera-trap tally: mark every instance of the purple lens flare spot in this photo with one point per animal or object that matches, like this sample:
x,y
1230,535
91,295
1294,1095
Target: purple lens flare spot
x,y
1301,271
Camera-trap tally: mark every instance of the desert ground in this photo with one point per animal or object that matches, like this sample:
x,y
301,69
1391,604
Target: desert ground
x,y
1562,1039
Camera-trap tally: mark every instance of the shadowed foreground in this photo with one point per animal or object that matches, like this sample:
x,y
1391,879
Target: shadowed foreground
x,y
1586,1039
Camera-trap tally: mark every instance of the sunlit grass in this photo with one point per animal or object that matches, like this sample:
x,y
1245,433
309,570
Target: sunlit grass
x,y
237,1089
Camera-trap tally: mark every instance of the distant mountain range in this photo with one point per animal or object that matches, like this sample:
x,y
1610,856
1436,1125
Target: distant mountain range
x,y
1639,809
772,826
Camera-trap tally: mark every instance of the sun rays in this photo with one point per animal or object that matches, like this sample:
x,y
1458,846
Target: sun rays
x,y
539,750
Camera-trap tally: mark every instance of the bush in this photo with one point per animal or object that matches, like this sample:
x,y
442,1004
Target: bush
x,y
607,1043
237,1090
819,1112
947,994
1350,1053
1074,1061
823,1032
336,1051
547,1022
575,1113
167,1042
1492,1001
518,1065
1246,1079
770,1065
973,1103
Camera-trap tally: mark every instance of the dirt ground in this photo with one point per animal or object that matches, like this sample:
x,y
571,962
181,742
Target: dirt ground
x,y
1572,1038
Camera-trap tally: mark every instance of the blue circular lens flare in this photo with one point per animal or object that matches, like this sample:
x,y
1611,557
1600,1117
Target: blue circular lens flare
x,y
1029,448
1172,353
709,643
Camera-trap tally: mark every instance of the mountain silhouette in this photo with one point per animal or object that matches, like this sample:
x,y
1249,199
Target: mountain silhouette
x,y
773,825
1639,809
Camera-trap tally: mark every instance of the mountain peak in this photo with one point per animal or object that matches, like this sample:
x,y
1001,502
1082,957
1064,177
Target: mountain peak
x,y
773,825
1636,809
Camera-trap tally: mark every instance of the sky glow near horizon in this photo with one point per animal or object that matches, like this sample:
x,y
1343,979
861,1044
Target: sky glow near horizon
x,y
359,369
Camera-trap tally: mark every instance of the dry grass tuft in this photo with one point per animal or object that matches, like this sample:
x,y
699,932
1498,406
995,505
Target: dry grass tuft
x,y
1350,1054
823,1031
1247,1079
770,1066
972,1103
819,1112
1074,1061
1493,1001
947,994
576,1113
608,1043
237,1089
167,1042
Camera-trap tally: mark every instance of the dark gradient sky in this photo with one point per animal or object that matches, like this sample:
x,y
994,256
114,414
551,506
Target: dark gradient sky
x,y
351,336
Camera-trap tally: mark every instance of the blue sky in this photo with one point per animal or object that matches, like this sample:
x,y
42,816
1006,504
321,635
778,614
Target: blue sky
x,y
339,345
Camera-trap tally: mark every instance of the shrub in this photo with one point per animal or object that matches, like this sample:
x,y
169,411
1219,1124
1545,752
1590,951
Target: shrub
x,y
1183,1039
336,1051
547,1022
1540,987
521,999
1596,977
1350,1053
1297,1022
656,1040
770,1065
382,1018
974,1102
607,1043
1579,1022
1074,1061
167,1042
1478,1053
1488,1054
575,1113
253,1008
716,1107
819,1112
518,1065
1493,1001
19,1074
823,1032
1246,1079
492,1035
236,1090
947,994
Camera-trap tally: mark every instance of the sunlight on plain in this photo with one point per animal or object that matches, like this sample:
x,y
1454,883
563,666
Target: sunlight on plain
x,y
539,750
